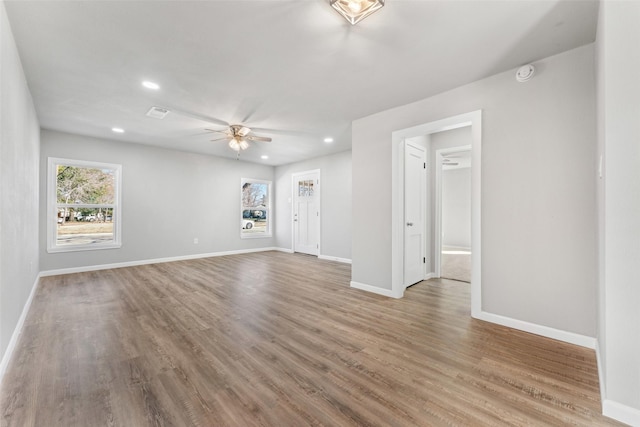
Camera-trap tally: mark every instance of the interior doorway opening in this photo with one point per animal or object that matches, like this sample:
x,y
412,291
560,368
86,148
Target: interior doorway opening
x,y
453,207
472,121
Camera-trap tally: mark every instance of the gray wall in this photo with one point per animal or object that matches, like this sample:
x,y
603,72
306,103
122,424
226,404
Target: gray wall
x,y
168,199
19,145
538,191
456,208
619,197
335,190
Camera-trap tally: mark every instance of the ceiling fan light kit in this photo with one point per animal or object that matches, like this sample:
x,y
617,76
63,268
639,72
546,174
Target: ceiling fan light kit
x,y
355,11
238,144
238,136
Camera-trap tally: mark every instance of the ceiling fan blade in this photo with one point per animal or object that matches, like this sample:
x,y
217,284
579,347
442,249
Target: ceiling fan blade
x,y
247,108
220,139
285,132
258,138
225,131
196,116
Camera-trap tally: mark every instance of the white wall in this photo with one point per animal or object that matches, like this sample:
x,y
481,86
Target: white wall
x,y
538,191
456,208
19,145
168,199
335,193
619,196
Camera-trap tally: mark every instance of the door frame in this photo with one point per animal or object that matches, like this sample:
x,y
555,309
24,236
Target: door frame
x,y
473,119
319,194
437,229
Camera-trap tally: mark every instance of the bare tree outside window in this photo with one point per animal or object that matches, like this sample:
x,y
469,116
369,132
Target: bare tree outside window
x,y
255,207
85,203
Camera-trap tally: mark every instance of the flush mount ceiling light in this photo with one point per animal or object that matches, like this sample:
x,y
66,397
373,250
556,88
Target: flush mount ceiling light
x,y
328,140
355,11
117,130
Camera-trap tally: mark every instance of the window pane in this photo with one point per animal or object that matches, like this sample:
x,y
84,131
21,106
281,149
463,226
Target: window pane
x,y
80,226
255,195
85,185
255,208
254,221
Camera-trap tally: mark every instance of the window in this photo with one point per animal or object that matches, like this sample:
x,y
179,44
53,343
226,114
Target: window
x,y
83,205
255,208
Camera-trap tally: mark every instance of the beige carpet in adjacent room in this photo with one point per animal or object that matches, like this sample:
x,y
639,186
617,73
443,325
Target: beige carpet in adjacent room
x,y
456,264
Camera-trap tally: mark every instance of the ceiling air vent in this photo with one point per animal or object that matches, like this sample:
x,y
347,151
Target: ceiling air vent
x,y
157,112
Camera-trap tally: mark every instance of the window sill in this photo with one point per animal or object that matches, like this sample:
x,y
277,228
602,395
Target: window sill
x,y
255,236
80,248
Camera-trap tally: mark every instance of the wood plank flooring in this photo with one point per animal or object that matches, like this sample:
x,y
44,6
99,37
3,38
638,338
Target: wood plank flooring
x,y
275,339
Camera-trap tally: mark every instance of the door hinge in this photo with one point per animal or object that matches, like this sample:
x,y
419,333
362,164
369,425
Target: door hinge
x,y
424,260
425,165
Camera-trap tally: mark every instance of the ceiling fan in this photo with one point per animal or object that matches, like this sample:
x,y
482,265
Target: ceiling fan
x,y
238,137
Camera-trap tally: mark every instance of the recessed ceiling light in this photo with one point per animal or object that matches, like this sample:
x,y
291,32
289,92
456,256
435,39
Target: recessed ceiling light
x,y
328,140
117,130
264,157
150,85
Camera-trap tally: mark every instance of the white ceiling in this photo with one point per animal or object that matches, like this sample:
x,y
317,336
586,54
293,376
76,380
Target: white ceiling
x,y
294,68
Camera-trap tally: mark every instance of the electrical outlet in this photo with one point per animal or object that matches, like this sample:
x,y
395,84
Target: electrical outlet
x,y
195,240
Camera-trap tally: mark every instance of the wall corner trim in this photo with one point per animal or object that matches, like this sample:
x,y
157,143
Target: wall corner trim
x,y
334,258
6,358
601,376
376,290
545,331
620,412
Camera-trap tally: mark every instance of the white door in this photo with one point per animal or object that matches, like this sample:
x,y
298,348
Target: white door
x,y
306,212
415,195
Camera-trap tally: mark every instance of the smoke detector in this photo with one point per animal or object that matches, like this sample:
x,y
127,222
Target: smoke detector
x,y
157,112
525,73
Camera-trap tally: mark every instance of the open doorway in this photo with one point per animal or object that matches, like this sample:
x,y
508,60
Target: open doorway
x,y
399,224
453,208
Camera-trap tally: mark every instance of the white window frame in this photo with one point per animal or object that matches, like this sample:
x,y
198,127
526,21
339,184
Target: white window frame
x,y
53,206
267,232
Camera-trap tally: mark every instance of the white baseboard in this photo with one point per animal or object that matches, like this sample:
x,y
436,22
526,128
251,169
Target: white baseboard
x,y
285,250
6,358
335,258
619,412
610,408
545,331
153,261
429,276
376,290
